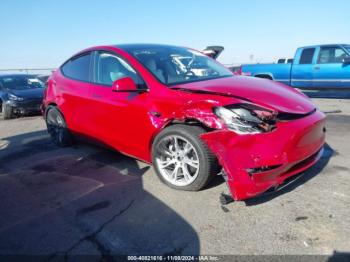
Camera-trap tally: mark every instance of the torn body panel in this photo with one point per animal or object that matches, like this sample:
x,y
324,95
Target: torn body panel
x,y
255,163
201,111
197,112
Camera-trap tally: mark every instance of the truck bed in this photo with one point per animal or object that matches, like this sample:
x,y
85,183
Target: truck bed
x,y
277,72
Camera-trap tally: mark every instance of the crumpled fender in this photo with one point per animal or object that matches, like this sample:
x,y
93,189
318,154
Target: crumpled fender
x,y
201,111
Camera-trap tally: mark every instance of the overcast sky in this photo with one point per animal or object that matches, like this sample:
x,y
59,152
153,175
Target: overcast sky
x,y
43,33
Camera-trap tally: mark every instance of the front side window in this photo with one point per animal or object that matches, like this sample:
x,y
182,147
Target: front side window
x,y
21,82
174,65
347,47
330,55
78,68
307,56
110,68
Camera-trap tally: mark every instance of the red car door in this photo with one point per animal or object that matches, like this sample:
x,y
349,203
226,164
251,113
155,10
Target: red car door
x,y
74,92
120,118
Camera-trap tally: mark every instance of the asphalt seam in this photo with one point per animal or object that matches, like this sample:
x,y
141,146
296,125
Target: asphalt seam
x,y
105,252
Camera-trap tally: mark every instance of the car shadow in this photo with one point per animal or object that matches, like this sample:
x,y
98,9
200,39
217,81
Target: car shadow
x,y
61,203
328,93
304,178
217,180
339,257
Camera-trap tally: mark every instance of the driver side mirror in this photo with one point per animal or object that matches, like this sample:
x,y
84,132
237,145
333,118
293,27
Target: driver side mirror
x,y
346,60
125,84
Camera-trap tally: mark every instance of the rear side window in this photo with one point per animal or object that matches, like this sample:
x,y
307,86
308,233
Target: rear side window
x,y
306,56
78,68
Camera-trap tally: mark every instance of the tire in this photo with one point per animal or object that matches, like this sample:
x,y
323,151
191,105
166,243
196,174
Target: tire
x,y
57,127
164,145
6,111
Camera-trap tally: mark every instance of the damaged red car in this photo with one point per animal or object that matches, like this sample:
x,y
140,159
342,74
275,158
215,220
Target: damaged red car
x,y
187,114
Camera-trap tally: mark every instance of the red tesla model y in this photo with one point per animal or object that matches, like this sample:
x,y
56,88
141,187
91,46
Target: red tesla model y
x,y
187,114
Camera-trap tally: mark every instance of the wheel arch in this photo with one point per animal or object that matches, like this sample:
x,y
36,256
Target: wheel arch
x,y
188,121
264,76
52,104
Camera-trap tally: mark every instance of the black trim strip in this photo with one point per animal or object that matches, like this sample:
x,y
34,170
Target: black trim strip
x,y
284,116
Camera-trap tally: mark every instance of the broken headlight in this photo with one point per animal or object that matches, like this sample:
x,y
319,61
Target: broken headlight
x,y
15,98
247,118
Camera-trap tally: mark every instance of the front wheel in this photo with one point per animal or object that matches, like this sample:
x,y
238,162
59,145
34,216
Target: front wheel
x,y
6,111
181,159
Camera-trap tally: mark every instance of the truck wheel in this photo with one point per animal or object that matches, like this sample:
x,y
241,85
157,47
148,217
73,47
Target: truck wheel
x,y
181,159
6,111
57,127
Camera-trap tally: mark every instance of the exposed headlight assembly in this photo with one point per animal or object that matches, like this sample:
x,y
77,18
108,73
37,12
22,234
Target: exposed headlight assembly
x,y
247,118
15,98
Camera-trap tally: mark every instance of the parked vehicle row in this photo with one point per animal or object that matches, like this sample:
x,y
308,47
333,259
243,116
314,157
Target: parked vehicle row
x,y
320,66
284,61
197,118
20,94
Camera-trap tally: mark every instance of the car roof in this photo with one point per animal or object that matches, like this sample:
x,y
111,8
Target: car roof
x,y
324,45
129,47
14,75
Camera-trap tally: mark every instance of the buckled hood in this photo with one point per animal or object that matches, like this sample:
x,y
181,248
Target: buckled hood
x,y
260,91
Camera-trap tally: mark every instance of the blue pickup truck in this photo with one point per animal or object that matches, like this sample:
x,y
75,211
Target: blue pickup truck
x,y
319,66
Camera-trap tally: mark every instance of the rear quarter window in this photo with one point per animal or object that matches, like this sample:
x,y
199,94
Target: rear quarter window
x,y
78,68
307,55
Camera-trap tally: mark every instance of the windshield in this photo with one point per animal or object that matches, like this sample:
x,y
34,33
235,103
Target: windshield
x,y
21,82
175,65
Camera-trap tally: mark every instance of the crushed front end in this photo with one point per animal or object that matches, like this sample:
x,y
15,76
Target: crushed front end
x,y
26,106
271,148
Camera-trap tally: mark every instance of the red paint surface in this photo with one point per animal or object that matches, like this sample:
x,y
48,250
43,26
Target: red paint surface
x,y
130,121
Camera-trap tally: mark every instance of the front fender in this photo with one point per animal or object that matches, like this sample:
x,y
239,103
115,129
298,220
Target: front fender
x,y
199,111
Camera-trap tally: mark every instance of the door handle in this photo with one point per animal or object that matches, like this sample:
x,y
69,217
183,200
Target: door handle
x,y
96,96
317,68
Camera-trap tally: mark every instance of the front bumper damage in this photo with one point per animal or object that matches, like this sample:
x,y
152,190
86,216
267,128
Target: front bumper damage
x,y
26,106
257,162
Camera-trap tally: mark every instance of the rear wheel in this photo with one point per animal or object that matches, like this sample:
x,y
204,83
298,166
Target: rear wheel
x,y
57,127
181,159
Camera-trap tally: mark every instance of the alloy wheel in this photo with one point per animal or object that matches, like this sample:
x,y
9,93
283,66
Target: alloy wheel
x,y
55,125
177,160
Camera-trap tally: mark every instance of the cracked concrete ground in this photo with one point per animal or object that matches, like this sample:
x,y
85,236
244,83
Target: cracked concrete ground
x,y
89,200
